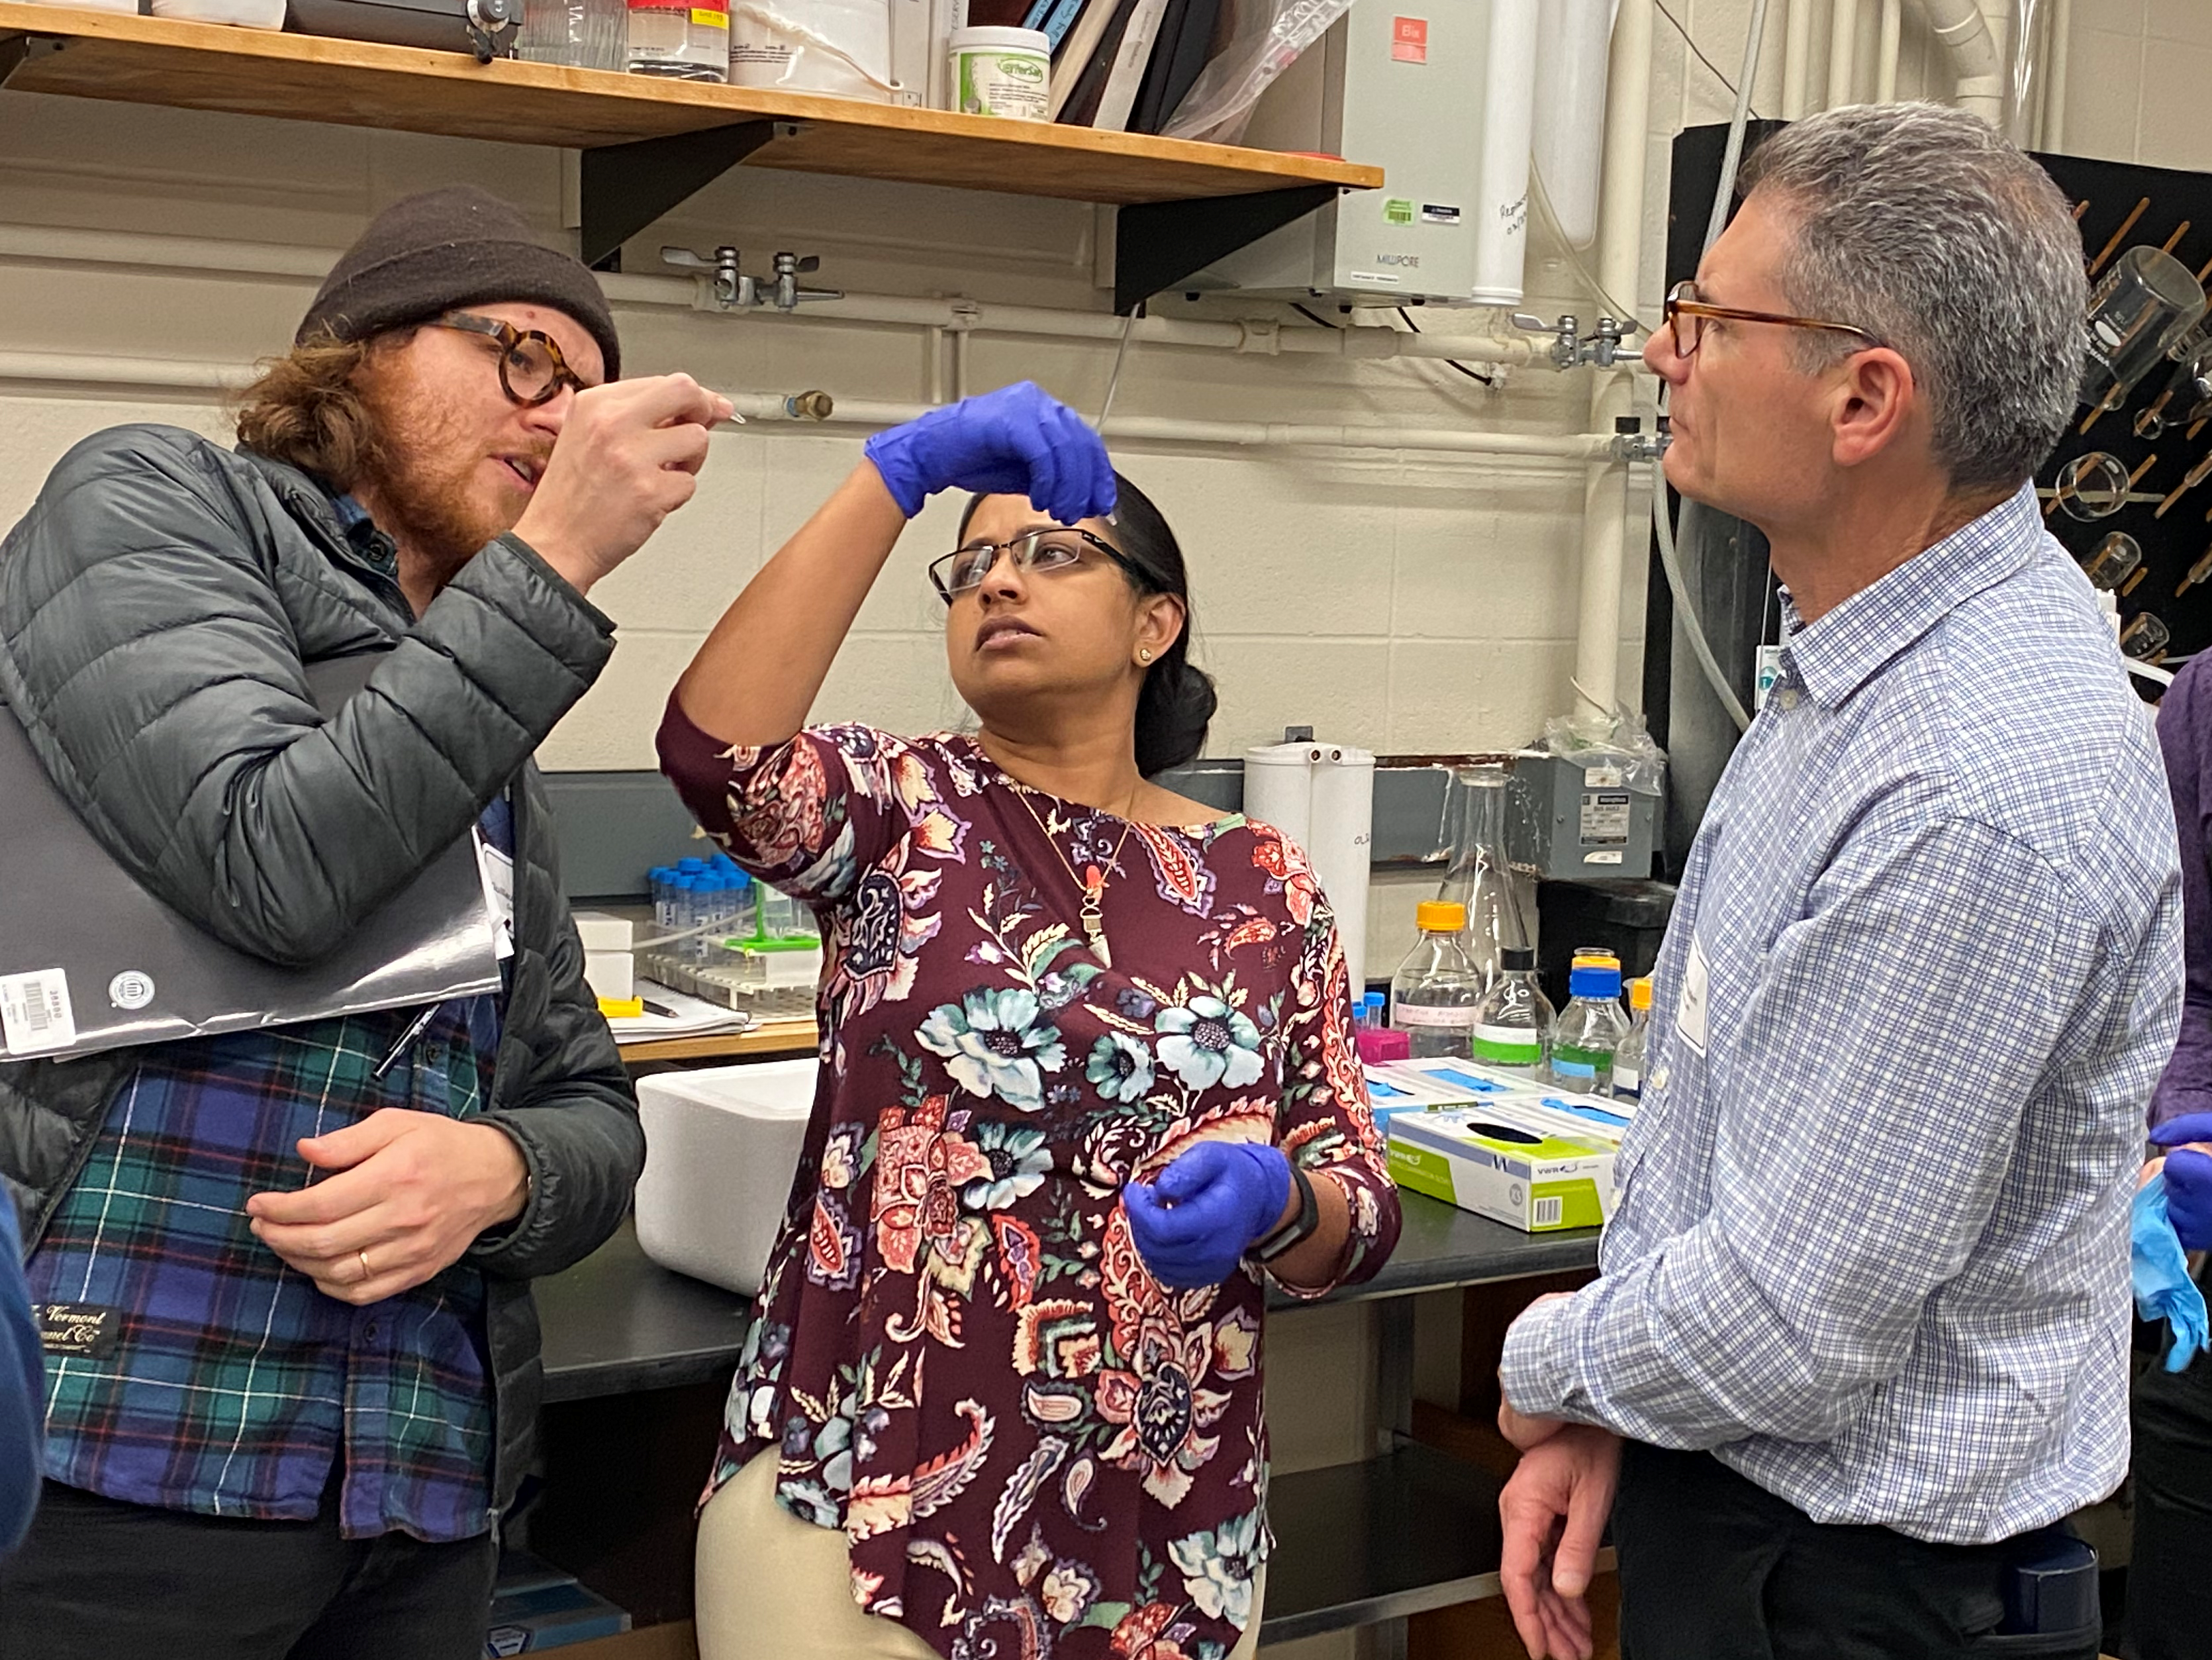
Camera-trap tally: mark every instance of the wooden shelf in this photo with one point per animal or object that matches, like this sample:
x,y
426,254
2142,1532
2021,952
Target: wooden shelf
x,y
299,77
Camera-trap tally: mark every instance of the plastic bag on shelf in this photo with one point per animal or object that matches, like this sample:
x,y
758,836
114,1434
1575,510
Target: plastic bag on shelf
x,y
1265,37
1621,742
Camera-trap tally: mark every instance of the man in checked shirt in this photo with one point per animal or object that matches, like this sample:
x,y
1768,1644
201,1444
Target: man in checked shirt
x,y
1862,1328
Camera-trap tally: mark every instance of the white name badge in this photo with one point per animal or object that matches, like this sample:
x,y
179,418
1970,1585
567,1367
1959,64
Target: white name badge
x,y
1690,1008
497,870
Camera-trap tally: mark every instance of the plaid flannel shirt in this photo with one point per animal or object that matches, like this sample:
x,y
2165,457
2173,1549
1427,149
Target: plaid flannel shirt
x,y
1925,966
236,1387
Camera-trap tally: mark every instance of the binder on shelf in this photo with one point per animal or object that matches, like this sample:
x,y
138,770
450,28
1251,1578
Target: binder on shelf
x,y
1079,49
89,960
1126,74
1184,48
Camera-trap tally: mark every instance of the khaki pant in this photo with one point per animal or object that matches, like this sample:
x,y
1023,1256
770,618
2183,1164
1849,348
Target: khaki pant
x,y
772,1587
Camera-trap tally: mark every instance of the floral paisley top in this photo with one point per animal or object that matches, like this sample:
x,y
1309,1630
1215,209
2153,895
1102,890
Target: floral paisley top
x,y
959,1357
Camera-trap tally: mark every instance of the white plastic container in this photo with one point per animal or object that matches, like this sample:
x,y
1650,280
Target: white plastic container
x,y
240,13
841,48
721,1145
128,7
1005,72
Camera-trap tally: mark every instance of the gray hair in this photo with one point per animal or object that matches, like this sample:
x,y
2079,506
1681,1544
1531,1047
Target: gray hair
x,y
1922,226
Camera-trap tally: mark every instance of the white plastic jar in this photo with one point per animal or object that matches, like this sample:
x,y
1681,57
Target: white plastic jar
x,y
1005,72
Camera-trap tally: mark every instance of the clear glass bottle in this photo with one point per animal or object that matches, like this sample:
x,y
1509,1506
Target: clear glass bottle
x,y
1589,1033
1480,878
688,41
1514,1021
1434,993
576,34
1628,1060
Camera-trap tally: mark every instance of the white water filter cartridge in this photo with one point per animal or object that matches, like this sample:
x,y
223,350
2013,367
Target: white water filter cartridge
x,y
1501,210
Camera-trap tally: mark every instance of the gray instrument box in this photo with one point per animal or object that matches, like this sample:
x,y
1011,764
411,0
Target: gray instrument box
x,y
1572,820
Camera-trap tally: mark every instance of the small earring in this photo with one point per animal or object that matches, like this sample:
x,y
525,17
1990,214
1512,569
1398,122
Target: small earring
x,y
1145,656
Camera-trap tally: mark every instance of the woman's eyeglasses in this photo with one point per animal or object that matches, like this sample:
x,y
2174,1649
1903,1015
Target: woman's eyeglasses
x,y
1687,316
1036,550
531,370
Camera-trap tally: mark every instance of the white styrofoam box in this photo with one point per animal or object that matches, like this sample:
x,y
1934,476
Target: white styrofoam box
x,y
611,975
720,1147
601,932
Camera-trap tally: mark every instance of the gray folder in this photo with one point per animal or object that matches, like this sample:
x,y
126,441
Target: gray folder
x,y
130,970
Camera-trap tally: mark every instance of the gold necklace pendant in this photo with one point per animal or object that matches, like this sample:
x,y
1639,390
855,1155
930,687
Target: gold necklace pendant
x,y
1092,883
1093,916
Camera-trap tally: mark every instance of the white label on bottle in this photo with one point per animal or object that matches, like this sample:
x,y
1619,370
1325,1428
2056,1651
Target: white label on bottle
x,y
1628,1081
1429,1014
35,1017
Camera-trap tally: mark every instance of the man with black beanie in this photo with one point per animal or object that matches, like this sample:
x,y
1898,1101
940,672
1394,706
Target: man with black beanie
x,y
292,1367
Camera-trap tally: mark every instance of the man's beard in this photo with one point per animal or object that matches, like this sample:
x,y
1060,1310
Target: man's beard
x,y
424,478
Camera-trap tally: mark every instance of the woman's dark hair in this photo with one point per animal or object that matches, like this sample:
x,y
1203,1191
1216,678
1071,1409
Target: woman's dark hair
x,y
1178,703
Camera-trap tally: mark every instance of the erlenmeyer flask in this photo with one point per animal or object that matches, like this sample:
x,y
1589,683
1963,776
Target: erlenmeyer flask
x,y
1480,878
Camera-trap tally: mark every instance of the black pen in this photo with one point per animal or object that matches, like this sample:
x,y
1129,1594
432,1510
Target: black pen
x,y
651,1007
408,1039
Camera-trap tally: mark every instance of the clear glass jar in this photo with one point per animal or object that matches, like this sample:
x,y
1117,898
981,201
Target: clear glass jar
x,y
1434,993
577,34
1513,1022
1480,878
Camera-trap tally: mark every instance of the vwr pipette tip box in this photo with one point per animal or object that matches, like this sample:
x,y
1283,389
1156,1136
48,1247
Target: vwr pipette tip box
x,y
1537,1160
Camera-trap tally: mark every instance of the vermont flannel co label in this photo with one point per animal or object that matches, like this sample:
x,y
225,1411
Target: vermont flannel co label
x,y
79,1330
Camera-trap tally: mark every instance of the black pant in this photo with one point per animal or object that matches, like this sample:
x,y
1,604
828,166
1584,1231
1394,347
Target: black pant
x,y
2170,1571
1714,1567
98,1580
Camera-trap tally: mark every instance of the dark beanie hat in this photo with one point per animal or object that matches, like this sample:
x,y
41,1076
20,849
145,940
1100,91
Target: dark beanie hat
x,y
448,248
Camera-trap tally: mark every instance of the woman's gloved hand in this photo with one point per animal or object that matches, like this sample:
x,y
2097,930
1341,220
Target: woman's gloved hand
x,y
2188,1179
1013,441
1192,1225
2163,1288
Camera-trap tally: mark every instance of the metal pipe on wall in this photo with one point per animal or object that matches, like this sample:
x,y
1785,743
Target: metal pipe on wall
x,y
178,374
1620,269
1889,49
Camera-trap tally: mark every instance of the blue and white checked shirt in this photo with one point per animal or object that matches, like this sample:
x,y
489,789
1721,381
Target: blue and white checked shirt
x,y
1872,1244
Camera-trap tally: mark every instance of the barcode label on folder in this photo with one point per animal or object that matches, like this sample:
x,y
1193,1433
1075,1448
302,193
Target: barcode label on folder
x,y
35,1018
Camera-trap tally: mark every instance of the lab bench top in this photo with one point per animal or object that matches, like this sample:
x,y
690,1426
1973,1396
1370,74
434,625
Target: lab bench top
x,y
618,1323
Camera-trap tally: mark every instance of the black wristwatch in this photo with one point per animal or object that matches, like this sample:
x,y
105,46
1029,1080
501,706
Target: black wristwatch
x,y
1294,1232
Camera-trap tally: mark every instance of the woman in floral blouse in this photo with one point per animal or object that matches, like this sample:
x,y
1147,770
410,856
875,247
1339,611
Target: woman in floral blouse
x,y
1086,1077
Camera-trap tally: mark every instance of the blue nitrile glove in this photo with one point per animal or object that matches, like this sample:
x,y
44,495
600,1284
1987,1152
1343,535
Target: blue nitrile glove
x,y
1013,441
2164,1290
2188,1179
1192,1225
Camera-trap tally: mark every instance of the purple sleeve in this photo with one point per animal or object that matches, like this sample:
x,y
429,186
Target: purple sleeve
x,y
2185,733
